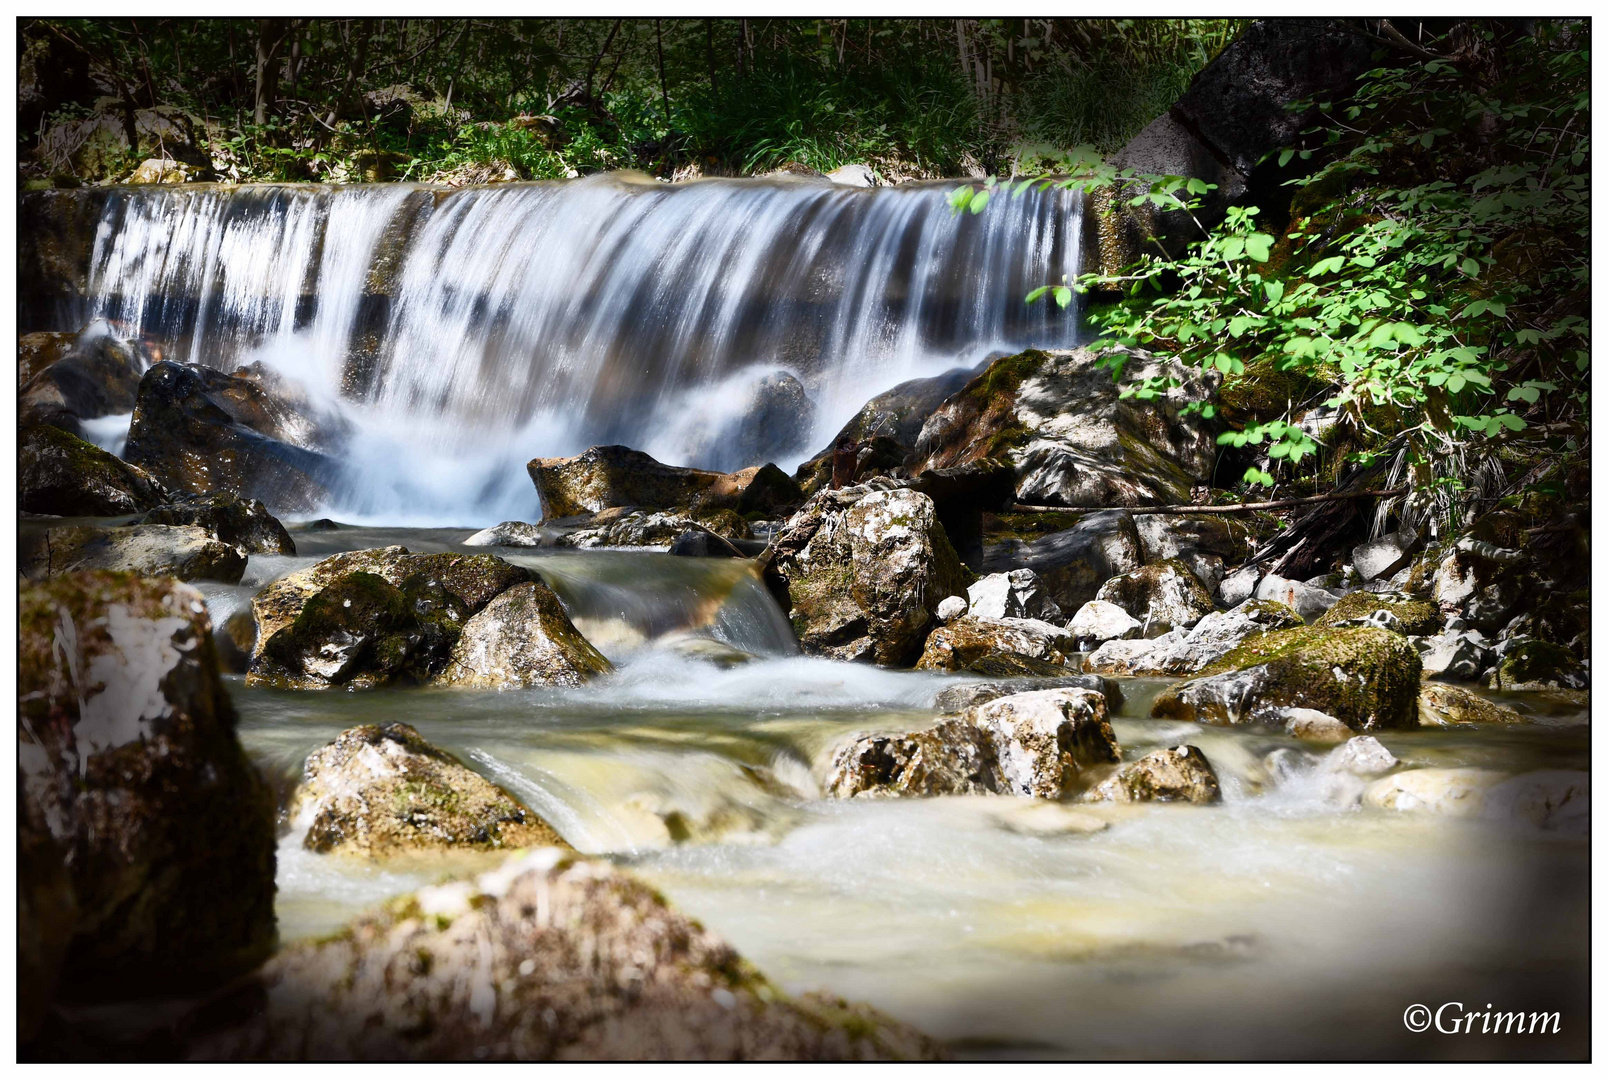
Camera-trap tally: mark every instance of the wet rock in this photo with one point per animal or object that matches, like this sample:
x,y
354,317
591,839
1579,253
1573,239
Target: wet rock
x,y
1456,792
1391,611
1311,725
37,351
1015,594
1072,564
1386,556
47,910
1305,600
700,543
1540,665
1027,744
128,760
1361,756
235,640
508,534
617,476
1366,677
960,698
370,618
1184,652
1481,583
242,523
1059,419
1456,654
953,757
1441,705
996,646
1205,543
1162,596
382,790
546,958
59,473
161,170
853,175
202,431
522,638
1100,621
1181,774
769,417
98,375
1556,800
185,552
864,573
621,527
952,608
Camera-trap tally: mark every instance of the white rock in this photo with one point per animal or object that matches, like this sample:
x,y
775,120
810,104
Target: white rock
x,y
1042,736
1308,602
1362,756
1454,792
1239,586
1099,621
1385,556
1460,655
1315,726
1558,800
951,608
1015,594
854,175
508,534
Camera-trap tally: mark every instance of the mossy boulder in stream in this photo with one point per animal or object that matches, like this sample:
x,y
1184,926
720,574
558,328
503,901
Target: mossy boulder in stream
x,y
59,473
382,790
1443,705
1179,774
864,572
606,477
522,638
997,647
130,768
547,958
1364,676
385,615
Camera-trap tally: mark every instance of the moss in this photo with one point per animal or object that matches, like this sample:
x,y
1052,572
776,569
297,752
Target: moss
x,y
1536,665
1417,616
1025,526
1364,676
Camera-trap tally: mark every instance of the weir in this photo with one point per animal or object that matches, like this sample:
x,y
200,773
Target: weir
x,y
718,323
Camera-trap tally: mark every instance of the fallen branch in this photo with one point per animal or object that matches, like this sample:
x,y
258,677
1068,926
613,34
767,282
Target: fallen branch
x,y
1238,508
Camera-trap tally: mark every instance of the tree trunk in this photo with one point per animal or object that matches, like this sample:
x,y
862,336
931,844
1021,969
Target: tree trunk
x,y
664,87
270,35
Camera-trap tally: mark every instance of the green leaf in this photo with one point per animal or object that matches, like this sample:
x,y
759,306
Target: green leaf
x,y
1471,268
1038,292
979,202
1274,291
1233,247
1258,246
1063,295
1328,266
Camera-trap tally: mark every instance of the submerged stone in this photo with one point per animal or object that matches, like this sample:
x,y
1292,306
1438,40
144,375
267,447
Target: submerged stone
x,y
382,790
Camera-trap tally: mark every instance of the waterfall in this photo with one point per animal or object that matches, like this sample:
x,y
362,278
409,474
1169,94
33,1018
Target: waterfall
x,y
718,323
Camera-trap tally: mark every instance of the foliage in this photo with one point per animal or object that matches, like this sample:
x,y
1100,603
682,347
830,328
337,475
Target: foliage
x,y
428,99
1434,274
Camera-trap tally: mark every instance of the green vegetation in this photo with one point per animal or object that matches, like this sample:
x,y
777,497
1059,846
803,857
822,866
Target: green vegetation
x,y
475,100
1430,275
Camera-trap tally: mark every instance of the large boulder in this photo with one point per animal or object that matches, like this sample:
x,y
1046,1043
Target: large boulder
x,y
619,527
1179,774
522,638
997,647
37,351
1553,800
98,375
1183,652
1540,665
863,572
963,696
1387,556
546,958
371,618
1364,676
59,473
200,430
128,761
242,523
1060,420
381,790
1100,621
1162,596
186,552
1463,655
1392,611
1072,564
617,476
1029,744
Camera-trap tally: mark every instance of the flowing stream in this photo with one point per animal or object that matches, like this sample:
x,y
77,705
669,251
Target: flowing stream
x,y
1272,926
457,334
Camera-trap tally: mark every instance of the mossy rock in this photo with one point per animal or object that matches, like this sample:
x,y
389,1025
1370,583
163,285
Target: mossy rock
x,y
378,791
1412,617
1540,665
1366,677
358,632
59,473
1444,705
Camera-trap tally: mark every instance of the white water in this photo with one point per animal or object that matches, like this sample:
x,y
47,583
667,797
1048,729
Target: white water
x,y
462,333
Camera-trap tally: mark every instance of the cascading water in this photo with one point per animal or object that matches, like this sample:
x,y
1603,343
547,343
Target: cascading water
x,y
460,333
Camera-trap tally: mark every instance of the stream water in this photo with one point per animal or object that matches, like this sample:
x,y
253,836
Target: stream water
x,y
1271,926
